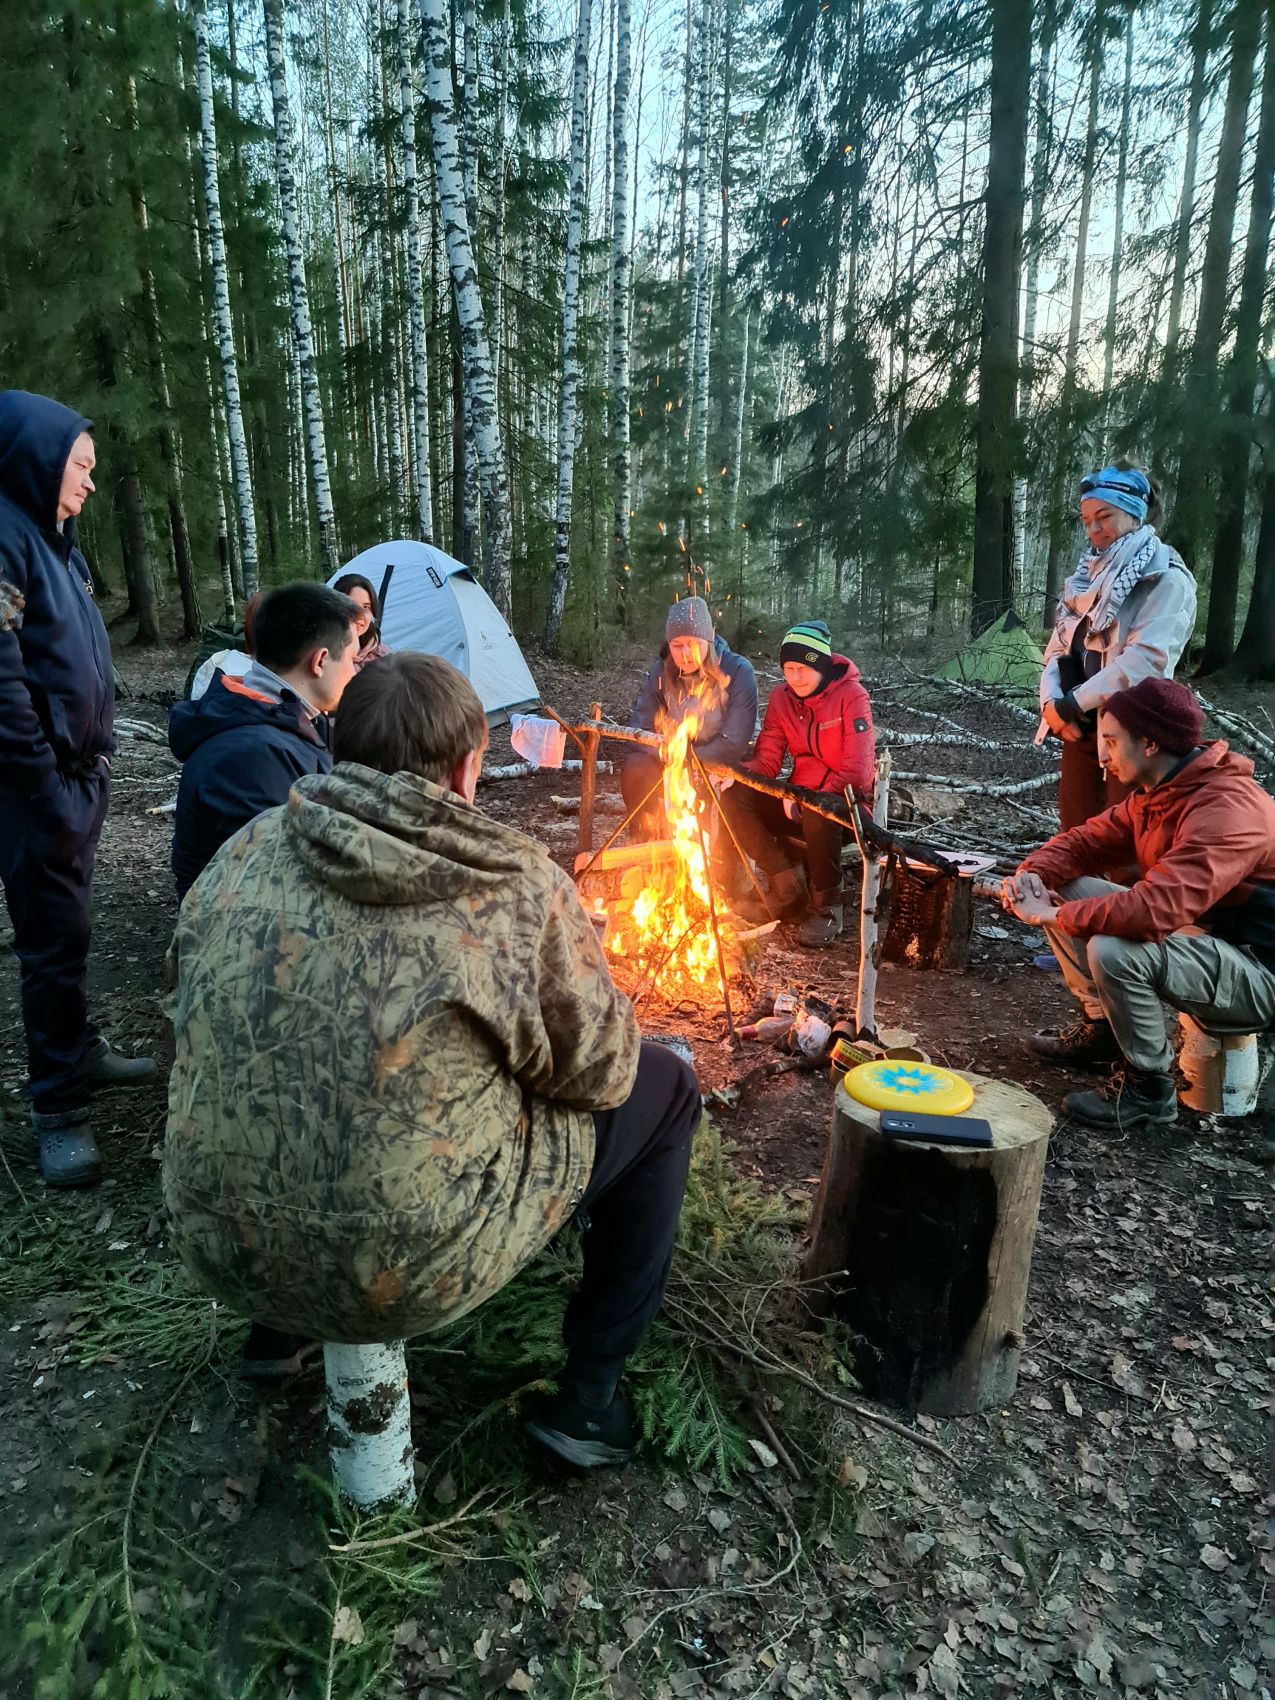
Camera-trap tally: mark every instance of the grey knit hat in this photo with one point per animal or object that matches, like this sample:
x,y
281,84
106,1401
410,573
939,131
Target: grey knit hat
x,y
690,618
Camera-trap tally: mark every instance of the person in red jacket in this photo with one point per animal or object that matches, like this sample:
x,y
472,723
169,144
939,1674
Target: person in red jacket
x,y
1196,931
821,718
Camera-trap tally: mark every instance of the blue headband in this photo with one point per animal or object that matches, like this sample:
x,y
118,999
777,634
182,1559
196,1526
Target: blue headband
x,y
1129,490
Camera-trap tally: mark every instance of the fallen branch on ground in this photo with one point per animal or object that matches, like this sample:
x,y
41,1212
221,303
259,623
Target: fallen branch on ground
x,y
979,786
520,769
1240,728
141,730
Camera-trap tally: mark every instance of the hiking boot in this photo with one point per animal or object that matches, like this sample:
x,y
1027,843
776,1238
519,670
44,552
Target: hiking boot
x,y
825,921
580,1436
270,1355
1092,1044
1131,1099
104,1068
68,1150
785,899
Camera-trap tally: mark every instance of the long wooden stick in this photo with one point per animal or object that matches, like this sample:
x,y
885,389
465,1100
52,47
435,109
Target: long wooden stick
x,y
588,785
723,817
717,937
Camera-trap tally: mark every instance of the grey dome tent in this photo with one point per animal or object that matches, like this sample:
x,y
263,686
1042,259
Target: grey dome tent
x,y
434,604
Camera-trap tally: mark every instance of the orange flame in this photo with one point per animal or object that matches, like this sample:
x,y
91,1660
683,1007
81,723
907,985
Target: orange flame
x,y
668,931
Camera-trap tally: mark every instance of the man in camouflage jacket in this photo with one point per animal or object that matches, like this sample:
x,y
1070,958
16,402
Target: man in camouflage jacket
x,y
401,1064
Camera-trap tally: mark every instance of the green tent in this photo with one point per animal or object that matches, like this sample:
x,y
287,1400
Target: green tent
x,y
1005,656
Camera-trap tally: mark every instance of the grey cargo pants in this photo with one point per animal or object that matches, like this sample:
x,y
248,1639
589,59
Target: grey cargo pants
x,y
1128,982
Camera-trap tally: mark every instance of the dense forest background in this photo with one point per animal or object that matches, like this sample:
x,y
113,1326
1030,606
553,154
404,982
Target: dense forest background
x,y
819,306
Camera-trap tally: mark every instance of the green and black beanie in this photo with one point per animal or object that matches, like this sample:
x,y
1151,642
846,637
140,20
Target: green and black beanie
x,y
810,643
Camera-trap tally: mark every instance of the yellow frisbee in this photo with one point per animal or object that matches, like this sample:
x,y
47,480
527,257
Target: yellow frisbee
x,y
892,1084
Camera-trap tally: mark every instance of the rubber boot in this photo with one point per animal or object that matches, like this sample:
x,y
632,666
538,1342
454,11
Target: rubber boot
x,y
824,923
104,1068
68,1151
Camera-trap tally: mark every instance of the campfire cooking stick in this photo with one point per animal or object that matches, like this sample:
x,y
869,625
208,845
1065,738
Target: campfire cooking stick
x,y
658,786
717,937
721,815
566,726
589,782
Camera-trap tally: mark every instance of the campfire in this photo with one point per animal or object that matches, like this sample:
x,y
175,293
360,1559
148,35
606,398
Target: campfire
x,y
662,923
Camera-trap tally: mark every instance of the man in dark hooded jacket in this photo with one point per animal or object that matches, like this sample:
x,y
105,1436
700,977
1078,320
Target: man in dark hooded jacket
x,y
246,740
57,712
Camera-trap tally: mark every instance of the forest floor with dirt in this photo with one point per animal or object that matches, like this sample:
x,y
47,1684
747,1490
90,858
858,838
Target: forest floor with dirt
x,y
170,1531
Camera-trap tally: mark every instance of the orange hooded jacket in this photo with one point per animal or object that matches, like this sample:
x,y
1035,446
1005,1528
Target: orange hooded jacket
x,y
1204,842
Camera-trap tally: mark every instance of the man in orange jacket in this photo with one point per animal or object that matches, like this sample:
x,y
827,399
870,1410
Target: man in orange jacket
x,y
1195,931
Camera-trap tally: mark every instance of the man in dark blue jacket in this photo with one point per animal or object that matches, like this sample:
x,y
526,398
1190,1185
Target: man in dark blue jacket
x,y
245,741
57,715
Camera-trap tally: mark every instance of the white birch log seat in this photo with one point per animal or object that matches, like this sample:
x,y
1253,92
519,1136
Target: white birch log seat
x,y
1222,1072
369,1424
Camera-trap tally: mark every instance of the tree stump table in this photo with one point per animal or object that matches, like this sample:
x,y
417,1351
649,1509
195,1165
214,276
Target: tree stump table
x,y
924,1250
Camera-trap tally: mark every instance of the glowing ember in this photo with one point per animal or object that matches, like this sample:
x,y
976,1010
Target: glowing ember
x,y
667,934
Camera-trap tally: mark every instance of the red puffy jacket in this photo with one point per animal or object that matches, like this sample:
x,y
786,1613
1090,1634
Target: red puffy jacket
x,y
1204,841
829,735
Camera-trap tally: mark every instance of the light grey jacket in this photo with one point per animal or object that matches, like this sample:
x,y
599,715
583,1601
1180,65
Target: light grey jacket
x,y
1152,627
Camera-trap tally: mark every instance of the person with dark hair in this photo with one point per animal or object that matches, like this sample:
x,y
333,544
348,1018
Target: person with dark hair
x,y
244,742
696,673
1196,929
402,1066
1125,614
57,718
820,719
362,593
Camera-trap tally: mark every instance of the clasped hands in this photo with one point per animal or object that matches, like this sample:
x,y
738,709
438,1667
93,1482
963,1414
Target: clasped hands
x,y
1027,897
1067,730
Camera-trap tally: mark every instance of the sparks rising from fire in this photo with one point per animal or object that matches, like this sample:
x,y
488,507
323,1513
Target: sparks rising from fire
x,y
667,934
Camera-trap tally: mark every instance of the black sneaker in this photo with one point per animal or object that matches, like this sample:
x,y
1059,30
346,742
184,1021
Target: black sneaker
x,y
1131,1099
1090,1043
582,1437
270,1355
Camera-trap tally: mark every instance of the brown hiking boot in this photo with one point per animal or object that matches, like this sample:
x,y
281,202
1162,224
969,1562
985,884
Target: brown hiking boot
x,y
825,921
1091,1044
785,899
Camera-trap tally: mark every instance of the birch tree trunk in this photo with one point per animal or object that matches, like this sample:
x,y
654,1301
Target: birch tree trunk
x,y
1060,526
998,352
620,284
221,300
570,343
469,161
700,291
1117,238
480,387
1031,286
1186,204
415,279
302,331
1228,542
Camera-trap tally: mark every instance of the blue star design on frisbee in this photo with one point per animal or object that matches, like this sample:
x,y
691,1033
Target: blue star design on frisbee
x,y
915,1081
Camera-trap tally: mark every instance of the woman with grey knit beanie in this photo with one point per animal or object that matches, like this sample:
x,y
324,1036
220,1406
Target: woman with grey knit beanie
x,y
695,672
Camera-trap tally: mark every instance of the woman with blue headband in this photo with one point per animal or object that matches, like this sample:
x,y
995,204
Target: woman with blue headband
x,y
1125,614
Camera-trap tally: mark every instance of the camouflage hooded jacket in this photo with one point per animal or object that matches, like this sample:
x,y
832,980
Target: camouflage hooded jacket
x,y
392,1021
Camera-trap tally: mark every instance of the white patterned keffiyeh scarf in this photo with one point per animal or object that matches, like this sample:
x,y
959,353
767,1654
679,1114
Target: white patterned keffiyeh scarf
x,y
1100,583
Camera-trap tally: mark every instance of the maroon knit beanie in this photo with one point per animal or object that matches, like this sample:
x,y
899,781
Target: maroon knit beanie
x,y
1161,711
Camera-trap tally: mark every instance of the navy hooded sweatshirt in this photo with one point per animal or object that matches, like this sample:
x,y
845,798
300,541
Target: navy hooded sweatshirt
x,y
57,695
240,753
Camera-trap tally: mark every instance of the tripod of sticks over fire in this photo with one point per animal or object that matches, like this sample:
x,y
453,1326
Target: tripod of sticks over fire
x,y
677,930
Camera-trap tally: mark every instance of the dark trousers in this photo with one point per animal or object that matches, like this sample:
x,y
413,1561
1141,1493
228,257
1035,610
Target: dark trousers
x,y
774,842
47,848
1084,789
642,769
630,1208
